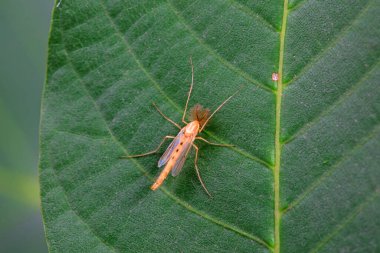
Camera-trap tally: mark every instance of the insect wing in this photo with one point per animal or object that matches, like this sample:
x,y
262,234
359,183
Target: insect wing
x,y
165,157
181,158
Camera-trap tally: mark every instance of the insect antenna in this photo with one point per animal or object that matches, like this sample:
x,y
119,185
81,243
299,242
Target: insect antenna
x,y
219,107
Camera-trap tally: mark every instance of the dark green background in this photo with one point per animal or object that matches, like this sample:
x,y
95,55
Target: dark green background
x,y
24,28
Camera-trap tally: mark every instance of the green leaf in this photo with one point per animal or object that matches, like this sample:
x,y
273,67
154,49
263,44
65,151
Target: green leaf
x,y
303,175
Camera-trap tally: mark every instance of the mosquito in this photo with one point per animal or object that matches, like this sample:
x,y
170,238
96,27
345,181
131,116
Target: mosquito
x,y
176,153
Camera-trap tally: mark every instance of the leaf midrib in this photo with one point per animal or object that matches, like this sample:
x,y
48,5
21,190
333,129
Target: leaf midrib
x,y
278,145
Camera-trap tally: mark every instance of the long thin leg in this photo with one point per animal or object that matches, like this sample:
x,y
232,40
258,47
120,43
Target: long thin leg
x,y
166,117
189,94
150,152
197,170
212,143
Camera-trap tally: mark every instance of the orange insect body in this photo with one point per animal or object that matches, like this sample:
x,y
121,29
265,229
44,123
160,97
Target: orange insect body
x,y
187,136
176,153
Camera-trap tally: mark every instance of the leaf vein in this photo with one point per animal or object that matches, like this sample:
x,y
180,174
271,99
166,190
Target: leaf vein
x,y
297,5
314,185
151,78
163,189
330,45
80,217
217,56
138,165
347,220
254,14
344,96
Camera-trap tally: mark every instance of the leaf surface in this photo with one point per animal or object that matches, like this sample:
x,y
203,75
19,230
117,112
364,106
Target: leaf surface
x,y
303,173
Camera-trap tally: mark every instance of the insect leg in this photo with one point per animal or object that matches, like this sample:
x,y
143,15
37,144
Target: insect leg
x,y
166,117
212,143
189,94
197,170
150,152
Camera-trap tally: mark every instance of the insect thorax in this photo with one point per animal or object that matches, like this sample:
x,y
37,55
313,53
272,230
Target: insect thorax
x,y
192,128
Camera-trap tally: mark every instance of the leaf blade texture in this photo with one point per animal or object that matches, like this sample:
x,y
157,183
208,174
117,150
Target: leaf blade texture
x,y
109,60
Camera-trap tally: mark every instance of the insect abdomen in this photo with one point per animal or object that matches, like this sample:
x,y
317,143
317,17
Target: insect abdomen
x,y
163,175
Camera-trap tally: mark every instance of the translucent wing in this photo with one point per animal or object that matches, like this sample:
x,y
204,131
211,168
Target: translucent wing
x,y
165,157
181,158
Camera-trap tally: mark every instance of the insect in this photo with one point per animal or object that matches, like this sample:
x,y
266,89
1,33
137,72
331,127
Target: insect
x,y
176,153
